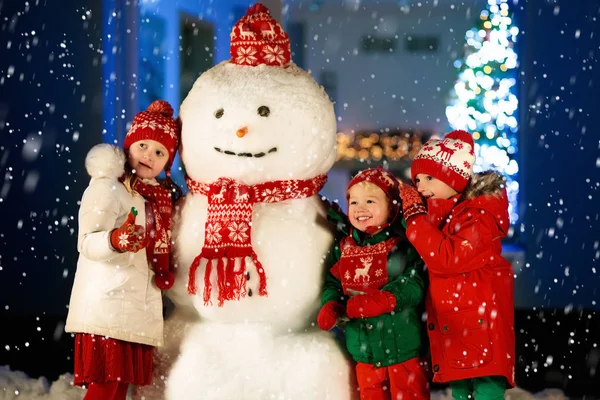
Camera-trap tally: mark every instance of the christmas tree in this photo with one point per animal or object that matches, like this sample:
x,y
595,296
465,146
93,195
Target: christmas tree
x,y
483,99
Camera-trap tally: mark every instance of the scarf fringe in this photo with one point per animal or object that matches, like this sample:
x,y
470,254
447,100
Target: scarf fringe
x,y
231,284
192,275
237,280
207,284
244,277
221,282
262,289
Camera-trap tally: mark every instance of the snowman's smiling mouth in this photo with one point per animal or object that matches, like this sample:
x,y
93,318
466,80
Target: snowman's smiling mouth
x,y
257,155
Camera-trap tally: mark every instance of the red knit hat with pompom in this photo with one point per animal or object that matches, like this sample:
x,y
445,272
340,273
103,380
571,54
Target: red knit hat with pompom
x,y
257,38
449,160
156,123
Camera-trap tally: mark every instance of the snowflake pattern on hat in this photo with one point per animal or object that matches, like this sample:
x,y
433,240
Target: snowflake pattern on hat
x,y
167,128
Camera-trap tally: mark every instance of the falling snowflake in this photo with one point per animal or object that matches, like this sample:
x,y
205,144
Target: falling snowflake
x,y
378,272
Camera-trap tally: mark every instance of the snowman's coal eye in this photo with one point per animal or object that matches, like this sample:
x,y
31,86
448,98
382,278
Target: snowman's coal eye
x,y
219,113
264,111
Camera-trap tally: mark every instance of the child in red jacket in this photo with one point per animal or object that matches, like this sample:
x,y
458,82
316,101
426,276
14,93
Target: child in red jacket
x,y
458,234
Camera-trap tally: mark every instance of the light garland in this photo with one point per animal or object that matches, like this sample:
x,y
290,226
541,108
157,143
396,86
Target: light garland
x,y
371,146
483,100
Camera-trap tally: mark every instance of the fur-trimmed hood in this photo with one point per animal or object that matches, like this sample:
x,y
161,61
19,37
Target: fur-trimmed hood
x,y
485,183
487,191
105,161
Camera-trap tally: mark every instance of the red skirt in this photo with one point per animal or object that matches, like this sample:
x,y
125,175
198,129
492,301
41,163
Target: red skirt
x,y
101,359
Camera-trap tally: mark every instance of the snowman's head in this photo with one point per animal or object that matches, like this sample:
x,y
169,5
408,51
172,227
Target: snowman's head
x,y
257,117
256,124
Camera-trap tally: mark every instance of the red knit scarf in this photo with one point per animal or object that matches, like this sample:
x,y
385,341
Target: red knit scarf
x,y
228,230
159,205
363,268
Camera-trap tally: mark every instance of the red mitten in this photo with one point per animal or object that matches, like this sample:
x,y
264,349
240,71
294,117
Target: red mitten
x,y
371,304
129,236
329,315
412,202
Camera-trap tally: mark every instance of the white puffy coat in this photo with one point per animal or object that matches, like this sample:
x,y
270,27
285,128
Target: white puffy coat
x,y
113,293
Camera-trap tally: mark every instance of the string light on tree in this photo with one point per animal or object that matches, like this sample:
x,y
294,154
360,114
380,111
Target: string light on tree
x,y
483,101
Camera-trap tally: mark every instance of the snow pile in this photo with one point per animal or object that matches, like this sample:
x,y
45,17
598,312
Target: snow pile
x,y
17,385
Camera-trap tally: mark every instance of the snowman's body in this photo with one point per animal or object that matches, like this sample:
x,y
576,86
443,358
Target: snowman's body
x,y
290,240
258,347
263,347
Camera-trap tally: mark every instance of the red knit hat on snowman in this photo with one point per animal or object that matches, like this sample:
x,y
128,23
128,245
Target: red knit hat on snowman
x,y
257,38
450,160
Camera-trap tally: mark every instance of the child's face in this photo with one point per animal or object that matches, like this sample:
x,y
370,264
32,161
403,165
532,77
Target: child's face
x,y
148,158
368,205
431,187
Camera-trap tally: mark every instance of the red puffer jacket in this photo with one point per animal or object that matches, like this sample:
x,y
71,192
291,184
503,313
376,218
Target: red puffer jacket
x,y
470,311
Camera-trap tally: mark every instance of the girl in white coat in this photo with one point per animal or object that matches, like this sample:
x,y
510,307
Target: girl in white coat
x,y
124,244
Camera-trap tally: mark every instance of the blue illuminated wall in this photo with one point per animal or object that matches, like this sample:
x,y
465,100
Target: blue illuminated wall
x,y
560,167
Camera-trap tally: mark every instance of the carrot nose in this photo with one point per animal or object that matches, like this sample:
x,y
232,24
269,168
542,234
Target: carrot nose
x,y
242,132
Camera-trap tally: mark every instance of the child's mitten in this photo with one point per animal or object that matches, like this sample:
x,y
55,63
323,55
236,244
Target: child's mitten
x,y
128,237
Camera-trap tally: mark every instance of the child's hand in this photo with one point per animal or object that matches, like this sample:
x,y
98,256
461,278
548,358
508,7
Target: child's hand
x,y
412,202
329,315
371,304
129,237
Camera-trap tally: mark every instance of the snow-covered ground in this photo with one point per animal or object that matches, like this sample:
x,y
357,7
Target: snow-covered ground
x,y
18,386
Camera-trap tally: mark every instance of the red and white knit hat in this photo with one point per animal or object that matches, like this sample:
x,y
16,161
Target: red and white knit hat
x,y
449,160
257,38
382,179
156,123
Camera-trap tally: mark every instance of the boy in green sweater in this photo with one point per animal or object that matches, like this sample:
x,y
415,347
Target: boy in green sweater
x,y
377,278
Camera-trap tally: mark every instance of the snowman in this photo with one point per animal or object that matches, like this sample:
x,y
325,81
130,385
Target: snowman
x,y
258,137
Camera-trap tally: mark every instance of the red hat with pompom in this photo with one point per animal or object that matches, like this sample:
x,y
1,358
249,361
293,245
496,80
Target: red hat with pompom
x,y
449,160
156,123
257,38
